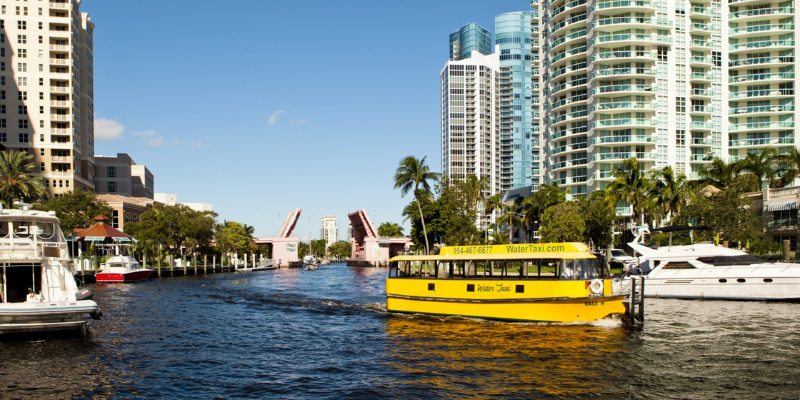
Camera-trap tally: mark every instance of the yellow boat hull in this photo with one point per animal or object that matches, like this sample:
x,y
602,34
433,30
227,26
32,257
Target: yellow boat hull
x,y
503,299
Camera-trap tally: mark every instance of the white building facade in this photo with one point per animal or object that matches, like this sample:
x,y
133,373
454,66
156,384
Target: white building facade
x,y
46,89
670,83
329,231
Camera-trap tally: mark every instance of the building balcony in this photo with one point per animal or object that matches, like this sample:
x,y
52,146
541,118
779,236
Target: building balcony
x,y
783,224
768,109
779,76
746,62
701,44
569,22
622,88
768,93
60,61
762,44
633,38
623,4
700,93
616,72
759,142
618,122
60,117
58,6
556,44
699,27
701,141
60,103
617,106
622,139
700,61
567,101
62,48
620,156
700,126
759,30
701,12
760,126
700,77
60,89
623,55
760,12
566,9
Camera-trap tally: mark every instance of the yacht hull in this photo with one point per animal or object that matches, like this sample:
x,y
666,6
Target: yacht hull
x,y
132,276
750,288
45,316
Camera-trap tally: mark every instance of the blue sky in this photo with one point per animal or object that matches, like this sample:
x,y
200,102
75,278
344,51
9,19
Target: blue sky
x,y
260,107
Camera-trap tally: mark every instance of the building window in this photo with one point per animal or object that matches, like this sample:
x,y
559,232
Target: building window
x,y
112,187
2,137
22,25
680,104
115,218
22,109
111,172
23,124
22,96
41,167
23,138
22,39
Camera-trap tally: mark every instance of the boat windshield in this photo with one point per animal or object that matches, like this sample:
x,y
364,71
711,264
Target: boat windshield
x,y
44,231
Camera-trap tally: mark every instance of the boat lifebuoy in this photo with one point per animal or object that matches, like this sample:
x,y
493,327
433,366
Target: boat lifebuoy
x,y
596,287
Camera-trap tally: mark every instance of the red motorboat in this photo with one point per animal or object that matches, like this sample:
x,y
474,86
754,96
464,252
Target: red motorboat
x,y
122,268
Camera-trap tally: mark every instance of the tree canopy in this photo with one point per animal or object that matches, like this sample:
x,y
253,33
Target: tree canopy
x,y
16,178
76,209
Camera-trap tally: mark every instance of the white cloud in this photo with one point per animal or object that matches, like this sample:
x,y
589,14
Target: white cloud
x,y
151,138
107,129
297,122
275,117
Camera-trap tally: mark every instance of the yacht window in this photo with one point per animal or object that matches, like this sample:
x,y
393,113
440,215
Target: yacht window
x,y
3,228
46,231
678,265
21,229
744,259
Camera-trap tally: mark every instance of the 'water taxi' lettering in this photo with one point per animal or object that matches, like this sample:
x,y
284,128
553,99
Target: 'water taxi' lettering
x,y
503,288
485,288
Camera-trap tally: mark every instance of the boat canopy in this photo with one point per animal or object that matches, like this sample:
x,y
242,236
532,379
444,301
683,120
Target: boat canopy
x,y
521,251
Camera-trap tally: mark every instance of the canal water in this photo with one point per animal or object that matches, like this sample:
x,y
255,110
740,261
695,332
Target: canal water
x,y
325,334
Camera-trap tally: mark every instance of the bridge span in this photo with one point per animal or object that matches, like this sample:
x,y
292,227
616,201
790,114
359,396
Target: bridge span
x,y
284,245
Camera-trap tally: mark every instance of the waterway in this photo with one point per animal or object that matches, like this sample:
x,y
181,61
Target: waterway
x,y
325,334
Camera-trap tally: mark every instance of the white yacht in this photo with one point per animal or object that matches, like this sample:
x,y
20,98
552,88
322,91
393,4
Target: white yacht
x,y
310,263
38,291
708,271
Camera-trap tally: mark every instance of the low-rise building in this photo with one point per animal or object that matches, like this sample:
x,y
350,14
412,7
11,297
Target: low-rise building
x,y
120,175
125,209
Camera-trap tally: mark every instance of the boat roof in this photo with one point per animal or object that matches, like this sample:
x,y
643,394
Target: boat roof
x,y
521,251
691,250
18,214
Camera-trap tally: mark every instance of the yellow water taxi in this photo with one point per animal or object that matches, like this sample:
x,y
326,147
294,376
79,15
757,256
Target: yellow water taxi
x,y
548,282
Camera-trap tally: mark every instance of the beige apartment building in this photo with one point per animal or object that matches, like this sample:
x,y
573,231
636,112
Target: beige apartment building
x,y
46,89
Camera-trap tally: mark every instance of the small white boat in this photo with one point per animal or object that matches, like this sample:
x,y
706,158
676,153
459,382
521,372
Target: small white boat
x,y
708,271
310,263
38,291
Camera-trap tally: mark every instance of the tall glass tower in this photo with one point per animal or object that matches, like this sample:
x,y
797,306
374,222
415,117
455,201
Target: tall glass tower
x,y
513,41
470,37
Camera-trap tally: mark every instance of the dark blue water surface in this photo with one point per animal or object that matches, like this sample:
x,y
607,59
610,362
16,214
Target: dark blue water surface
x,y
325,334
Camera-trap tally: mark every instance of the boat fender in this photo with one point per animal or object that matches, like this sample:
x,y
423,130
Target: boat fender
x,y
96,314
596,287
84,294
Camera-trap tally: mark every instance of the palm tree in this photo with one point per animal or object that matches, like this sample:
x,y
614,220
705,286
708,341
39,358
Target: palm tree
x,y
632,186
761,166
719,174
413,173
16,179
546,196
494,204
672,193
788,166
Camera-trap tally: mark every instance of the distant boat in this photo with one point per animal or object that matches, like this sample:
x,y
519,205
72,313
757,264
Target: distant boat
x,y
121,267
266,265
310,263
37,287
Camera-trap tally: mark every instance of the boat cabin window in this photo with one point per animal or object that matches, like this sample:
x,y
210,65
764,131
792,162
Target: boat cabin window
x,y
21,229
678,265
744,259
46,231
471,269
3,228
